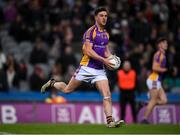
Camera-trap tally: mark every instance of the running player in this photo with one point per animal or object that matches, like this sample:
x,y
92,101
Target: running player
x,y
91,69
156,92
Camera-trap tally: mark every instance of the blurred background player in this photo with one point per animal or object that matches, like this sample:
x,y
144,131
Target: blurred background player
x,y
156,92
127,79
95,53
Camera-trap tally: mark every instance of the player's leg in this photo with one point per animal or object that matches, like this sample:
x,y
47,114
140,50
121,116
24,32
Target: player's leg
x,y
162,97
66,88
153,101
103,87
153,92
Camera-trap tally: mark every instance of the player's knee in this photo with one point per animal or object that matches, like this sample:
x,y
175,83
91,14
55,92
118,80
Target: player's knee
x,y
154,97
66,90
107,94
153,101
164,101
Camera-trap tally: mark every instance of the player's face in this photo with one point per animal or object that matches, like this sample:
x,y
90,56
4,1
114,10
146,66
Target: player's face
x,y
101,18
164,45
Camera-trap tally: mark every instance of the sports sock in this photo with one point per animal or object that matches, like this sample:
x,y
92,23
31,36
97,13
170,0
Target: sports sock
x,y
109,119
52,83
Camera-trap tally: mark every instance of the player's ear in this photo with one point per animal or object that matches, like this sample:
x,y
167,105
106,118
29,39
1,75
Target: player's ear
x,y
95,17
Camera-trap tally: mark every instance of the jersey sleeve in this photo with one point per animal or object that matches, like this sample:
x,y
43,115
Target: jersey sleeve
x,y
158,57
107,35
88,35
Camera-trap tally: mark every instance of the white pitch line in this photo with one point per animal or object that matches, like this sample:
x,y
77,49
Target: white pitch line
x,y
6,133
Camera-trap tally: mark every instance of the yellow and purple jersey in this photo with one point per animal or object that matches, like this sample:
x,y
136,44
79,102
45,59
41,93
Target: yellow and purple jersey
x,y
99,41
160,58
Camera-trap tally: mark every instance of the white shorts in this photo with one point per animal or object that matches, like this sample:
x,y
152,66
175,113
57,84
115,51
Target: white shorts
x,y
88,74
153,84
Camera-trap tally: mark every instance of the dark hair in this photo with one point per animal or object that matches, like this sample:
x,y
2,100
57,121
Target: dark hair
x,y
161,39
100,9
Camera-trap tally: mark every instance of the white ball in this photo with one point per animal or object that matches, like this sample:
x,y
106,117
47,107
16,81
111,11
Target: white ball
x,y
116,61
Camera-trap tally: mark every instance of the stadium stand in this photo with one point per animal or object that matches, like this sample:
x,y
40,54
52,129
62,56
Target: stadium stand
x,y
133,26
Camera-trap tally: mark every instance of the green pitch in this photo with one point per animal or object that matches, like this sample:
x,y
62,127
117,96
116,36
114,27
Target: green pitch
x,y
86,129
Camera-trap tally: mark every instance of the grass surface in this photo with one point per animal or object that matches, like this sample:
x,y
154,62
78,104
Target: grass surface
x,y
86,129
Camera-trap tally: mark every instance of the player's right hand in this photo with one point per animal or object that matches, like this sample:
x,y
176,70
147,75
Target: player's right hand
x,y
107,63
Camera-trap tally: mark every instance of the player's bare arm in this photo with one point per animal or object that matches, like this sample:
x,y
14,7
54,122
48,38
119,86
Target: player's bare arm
x,y
156,67
107,52
87,49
